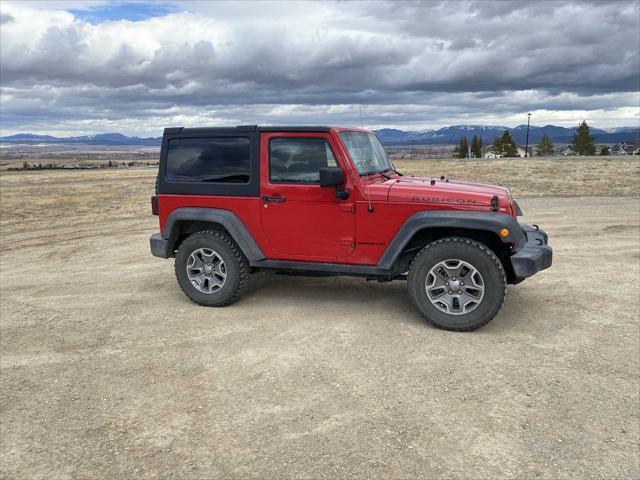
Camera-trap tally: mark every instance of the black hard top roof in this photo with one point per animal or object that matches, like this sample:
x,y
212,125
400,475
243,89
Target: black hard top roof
x,y
246,128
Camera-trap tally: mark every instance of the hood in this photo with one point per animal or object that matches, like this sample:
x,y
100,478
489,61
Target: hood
x,y
443,191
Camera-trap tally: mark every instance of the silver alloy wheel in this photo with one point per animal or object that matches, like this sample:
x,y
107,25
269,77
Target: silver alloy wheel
x,y
454,287
206,270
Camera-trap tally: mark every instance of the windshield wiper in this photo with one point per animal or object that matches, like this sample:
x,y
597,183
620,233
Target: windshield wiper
x,y
394,171
379,172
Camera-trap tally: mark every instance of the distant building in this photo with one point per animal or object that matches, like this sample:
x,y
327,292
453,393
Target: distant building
x,y
491,154
619,149
566,151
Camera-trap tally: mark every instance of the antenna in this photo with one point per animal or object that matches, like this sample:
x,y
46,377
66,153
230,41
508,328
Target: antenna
x,y
360,109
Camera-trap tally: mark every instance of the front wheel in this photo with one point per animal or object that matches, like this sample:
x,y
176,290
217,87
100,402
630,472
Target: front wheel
x,y
457,284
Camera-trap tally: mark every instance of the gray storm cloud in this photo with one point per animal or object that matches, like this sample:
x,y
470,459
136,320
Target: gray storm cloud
x,y
400,64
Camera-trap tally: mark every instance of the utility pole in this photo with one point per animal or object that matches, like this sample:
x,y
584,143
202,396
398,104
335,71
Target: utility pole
x,y
526,143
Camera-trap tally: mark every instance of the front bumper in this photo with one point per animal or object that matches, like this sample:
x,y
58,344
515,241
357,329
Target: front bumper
x,y
534,256
159,246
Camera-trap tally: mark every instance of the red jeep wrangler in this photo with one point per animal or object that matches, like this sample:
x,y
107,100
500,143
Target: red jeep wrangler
x,y
327,201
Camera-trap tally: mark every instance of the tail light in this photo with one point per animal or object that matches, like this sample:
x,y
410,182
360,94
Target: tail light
x,y
154,205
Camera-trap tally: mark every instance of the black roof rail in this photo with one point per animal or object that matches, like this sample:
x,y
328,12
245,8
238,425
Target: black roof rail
x,y
246,128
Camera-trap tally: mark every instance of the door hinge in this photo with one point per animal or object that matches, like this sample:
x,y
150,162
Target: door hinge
x,y
347,207
347,241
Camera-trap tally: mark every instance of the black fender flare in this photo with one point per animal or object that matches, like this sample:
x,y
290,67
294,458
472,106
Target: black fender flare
x,y
484,221
229,220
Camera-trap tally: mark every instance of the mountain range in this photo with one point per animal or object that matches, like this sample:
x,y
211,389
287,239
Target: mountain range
x,y
115,139
453,134
388,136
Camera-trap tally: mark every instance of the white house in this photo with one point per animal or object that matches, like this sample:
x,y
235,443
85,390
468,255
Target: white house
x,y
624,149
491,154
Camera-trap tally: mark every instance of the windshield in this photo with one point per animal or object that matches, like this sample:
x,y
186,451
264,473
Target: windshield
x,y
366,152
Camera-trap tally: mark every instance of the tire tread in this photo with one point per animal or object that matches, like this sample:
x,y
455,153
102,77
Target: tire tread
x,y
466,241
238,256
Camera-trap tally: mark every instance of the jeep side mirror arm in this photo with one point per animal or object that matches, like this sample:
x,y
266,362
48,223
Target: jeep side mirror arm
x,y
333,177
342,193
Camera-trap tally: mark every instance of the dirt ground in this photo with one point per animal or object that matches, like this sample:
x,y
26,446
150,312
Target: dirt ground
x,y
108,371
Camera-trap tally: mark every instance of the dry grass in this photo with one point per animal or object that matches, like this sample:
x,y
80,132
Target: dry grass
x,y
47,199
540,177
37,199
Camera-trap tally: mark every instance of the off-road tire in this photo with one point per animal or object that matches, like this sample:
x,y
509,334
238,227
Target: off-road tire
x,y
476,254
237,267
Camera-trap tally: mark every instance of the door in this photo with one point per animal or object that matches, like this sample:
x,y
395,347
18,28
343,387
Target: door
x,y
301,220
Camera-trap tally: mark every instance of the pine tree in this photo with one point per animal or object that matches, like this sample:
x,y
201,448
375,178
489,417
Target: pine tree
x,y
582,142
461,149
545,147
509,147
476,147
605,151
497,147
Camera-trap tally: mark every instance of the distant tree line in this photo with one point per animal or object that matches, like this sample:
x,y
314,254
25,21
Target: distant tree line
x,y
80,166
464,150
505,146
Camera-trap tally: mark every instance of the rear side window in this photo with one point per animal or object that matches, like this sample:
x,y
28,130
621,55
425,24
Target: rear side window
x,y
214,160
298,160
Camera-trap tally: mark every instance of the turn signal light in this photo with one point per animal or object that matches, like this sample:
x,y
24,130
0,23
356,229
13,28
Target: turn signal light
x,y
504,232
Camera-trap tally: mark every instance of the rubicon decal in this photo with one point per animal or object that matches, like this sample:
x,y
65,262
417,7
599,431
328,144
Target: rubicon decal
x,y
455,201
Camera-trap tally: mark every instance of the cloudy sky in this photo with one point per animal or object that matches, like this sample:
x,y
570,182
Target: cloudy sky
x,y
70,68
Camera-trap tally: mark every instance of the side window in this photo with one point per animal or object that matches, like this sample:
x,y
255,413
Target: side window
x,y
214,160
298,160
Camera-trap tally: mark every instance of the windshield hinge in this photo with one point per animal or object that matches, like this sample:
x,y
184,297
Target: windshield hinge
x,y
495,203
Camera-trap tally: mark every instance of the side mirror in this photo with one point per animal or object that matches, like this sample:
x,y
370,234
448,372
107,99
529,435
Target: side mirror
x,y
331,177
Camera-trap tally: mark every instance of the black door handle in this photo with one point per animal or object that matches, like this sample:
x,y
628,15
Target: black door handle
x,y
277,198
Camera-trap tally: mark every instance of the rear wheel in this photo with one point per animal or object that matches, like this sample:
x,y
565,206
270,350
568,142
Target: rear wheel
x,y
211,269
457,284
